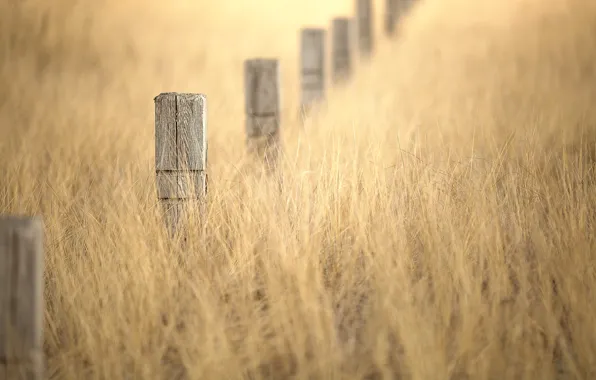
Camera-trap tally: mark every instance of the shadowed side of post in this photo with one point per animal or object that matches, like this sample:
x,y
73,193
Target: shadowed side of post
x,y
21,298
180,154
312,68
262,109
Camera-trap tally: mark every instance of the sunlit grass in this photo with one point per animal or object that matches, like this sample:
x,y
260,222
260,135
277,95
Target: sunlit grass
x,y
436,218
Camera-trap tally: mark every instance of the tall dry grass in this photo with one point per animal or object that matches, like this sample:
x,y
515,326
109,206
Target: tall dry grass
x,y
436,219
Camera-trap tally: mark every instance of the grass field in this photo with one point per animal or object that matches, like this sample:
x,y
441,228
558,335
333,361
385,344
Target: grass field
x,y
437,218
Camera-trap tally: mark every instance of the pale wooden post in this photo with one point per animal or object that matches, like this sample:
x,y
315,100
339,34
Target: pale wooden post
x,y
364,27
262,108
312,67
180,153
341,51
391,13
21,298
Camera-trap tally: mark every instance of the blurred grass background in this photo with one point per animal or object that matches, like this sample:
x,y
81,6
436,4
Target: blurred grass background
x,y
436,219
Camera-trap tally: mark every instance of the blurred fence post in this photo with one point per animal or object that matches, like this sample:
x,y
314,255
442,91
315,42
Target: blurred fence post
x,y
262,109
312,67
364,22
341,50
21,298
391,14
406,5
180,154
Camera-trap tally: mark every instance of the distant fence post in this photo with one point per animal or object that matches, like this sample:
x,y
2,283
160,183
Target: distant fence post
x,y
262,109
391,13
180,153
364,24
341,50
21,298
406,6
312,67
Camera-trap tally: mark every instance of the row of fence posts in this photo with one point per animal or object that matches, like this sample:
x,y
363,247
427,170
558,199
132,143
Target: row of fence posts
x,y
181,169
180,119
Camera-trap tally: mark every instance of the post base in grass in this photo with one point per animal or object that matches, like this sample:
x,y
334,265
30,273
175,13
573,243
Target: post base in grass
x,y
310,111
31,368
304,112
177,214
266,148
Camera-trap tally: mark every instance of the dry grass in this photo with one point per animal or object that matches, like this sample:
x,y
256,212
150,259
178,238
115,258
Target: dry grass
x,y
436,219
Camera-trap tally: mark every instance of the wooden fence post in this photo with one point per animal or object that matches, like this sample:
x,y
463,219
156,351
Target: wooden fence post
x,y
364,22
180,154
21,298
391,14
341,51
262,109
312,67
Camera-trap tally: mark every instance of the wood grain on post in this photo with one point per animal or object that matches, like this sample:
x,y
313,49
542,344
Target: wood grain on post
x,y
21,298
312,67
262,108
341,50
364,22
180,153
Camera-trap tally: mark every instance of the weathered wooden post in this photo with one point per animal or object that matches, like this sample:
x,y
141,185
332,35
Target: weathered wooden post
x,y
364,22
391,14
262,109
180,153
312,67
341,51
21,298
